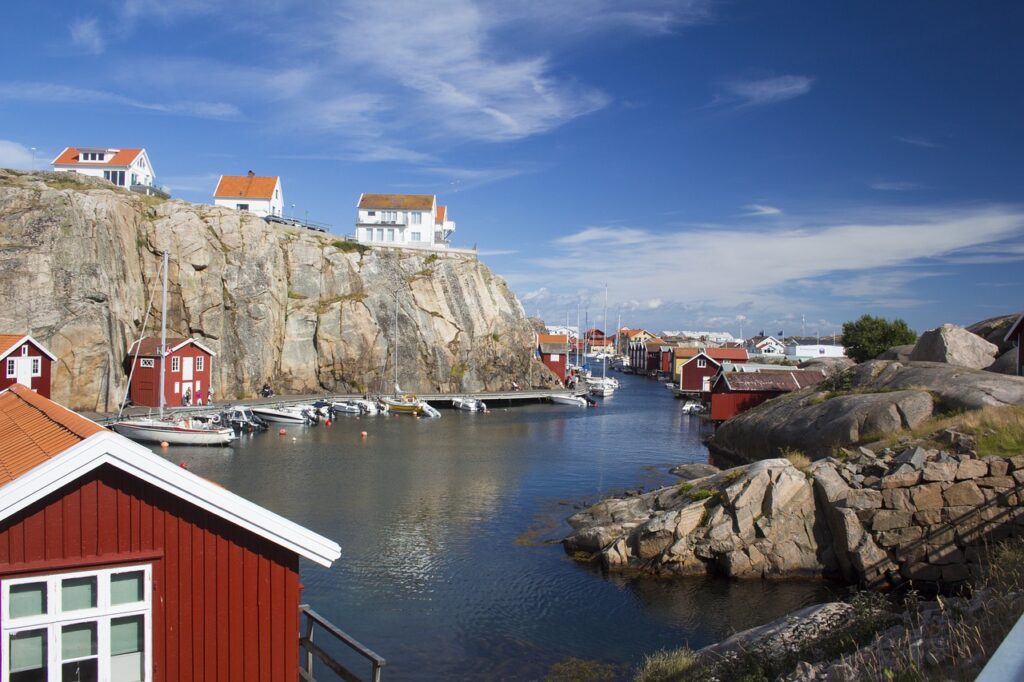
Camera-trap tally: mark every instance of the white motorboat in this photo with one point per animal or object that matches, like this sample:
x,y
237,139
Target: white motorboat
x,y
182,432
242,419
692,407
370,406
469,404
428,410
280,415
576,400
346,407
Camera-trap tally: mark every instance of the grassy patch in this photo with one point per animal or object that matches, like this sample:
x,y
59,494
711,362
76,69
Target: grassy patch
x,y
348,247
685,487
54,183
702,494
432,258
997,430
575,669
797,458
151,200
666,665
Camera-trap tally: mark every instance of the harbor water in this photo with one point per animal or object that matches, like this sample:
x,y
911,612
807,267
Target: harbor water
x,y
450,564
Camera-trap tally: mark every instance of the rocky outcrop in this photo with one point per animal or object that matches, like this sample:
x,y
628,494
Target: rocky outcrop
x,y
900,353
955,346
921,516
307,311
882,397
994,330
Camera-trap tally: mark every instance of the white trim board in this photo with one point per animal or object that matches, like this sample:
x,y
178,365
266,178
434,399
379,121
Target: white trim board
x,y
110,448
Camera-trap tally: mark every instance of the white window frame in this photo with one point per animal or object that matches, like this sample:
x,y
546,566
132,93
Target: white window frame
x,y
37,366
102,614
176,363
200,363
146,363
12,368
702,363
24,351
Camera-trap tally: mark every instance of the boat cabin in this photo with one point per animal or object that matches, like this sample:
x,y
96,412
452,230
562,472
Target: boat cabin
x,y
188,372
116,564
25,361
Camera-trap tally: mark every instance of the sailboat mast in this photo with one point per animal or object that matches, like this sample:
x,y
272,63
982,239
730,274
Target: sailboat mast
x,y
396,344
604,348
577,333
163,338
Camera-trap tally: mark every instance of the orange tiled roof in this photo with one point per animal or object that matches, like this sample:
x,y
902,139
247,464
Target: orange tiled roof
x,y
415,202
441,211
553,338
122,157
8,340
246,186
34,429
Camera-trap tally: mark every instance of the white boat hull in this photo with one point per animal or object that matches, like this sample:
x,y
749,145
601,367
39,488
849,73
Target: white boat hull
x,y
160,432
469,404
602,391
569,400
279,416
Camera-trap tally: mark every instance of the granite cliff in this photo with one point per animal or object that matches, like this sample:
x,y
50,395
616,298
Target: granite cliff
x,y
80,268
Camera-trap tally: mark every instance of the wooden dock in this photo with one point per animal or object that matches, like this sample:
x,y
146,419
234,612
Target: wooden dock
x,y
492,398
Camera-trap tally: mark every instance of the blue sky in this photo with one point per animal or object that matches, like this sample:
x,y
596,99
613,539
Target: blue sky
x,y
720,165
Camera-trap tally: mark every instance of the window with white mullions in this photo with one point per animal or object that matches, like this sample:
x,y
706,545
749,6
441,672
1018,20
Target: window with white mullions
x,y
78,627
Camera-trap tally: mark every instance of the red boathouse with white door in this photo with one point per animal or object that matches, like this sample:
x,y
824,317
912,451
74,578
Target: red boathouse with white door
x,y
189,367
117,564
25,361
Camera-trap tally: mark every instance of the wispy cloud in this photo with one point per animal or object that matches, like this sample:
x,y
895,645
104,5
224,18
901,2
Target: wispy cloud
x,y
918,141
14,155
761,210
888,186
57,93
85,34
727,266
497,252
759,92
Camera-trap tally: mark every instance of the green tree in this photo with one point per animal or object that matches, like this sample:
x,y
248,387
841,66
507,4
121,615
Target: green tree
x,y
868,337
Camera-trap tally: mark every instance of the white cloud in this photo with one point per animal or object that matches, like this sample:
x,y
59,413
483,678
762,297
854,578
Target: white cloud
x,y
726,267
85,34
883,186
55,92
18,156
761,210
752,93
918,141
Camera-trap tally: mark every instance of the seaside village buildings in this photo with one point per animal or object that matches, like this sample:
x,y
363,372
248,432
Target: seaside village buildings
x,y
402,220
128,168
260,195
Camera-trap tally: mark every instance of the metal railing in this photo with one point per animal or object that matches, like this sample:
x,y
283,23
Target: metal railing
x,y
314,619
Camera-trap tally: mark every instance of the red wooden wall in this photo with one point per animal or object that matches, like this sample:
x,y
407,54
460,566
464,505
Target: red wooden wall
x,y
41,383
557,366
145,389
693,376
727,405
225,601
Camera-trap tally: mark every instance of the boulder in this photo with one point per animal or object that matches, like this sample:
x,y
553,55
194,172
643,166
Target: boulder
x,y
1005,363
694,470
899,353
994,330
955,346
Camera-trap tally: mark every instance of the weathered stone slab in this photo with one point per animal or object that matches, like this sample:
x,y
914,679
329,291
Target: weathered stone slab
x,y
928,518
927,497
963,494
999,482
945,554
886,519
864,498
997,466
897,498
920,571
971,468
914,457
901,479
940,471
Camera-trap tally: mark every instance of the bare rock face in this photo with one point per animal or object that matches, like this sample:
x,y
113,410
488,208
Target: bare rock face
x,y
884,397
1005,364
955,346
994,330
306,311
900,353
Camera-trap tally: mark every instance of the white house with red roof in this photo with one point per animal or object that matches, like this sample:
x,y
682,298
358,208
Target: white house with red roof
x,y
258,194
403,220
123,167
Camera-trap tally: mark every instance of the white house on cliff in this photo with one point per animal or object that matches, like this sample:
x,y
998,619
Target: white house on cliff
x,y
402,219
257,194
123,167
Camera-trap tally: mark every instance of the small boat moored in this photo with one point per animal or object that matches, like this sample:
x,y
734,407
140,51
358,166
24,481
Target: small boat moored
x,y
183,432
469,404
575,400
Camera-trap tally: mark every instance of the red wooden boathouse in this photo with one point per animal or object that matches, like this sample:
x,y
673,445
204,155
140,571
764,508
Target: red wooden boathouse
x,y
189,366
696,374
25,361
117,564
554,353
735,392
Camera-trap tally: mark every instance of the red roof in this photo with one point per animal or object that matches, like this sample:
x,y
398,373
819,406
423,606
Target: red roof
x,y
246,186
727,354
553,338
416,202
33,429
121,157
150,346
10,342
441,211
780,382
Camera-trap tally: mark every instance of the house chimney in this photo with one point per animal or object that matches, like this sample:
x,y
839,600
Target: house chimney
x,y
251,174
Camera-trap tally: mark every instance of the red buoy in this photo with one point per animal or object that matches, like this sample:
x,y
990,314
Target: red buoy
x,y
281,432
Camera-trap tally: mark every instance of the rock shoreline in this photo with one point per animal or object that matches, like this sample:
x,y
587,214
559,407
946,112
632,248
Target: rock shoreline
x,y
920,517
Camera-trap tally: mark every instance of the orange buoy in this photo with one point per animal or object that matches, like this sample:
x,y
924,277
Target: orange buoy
x,y
281,432
164,444
327,422
364,434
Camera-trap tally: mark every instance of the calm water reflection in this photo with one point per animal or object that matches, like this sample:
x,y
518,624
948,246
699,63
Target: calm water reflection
x,y
447,565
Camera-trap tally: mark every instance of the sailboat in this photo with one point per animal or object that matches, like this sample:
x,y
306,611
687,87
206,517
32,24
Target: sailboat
x,y
401,402
603,387
175,431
